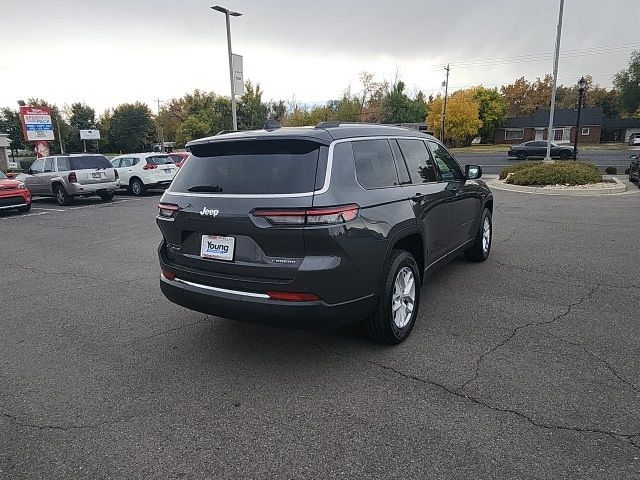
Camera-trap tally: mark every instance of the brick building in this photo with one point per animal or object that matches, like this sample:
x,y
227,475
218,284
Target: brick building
x,y
535,127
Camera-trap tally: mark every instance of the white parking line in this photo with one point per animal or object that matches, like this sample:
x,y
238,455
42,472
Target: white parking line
x,y
48,209
25,215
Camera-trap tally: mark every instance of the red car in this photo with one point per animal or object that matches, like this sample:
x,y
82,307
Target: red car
x,y
13,194
179,157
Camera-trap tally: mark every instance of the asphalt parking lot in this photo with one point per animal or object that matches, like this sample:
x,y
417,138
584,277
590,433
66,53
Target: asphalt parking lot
x,y
526,366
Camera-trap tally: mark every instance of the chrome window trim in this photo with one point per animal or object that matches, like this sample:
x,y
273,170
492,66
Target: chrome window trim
x,y
324,189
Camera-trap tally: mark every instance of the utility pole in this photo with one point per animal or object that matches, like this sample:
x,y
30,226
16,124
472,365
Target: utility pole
x,y
445,84
547,158
60,138
160,129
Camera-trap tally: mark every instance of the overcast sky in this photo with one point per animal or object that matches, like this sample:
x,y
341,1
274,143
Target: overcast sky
x,y
108,52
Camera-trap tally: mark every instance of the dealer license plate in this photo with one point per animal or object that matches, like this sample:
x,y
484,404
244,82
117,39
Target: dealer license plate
x,y
217,247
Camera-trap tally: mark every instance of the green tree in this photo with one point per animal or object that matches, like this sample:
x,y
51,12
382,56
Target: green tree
x,y
10,123
627,82
80,117
397,107
347,109
252,111
492,110
131,127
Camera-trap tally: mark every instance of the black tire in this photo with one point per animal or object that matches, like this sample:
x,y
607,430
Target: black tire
x,y
565,154
381,325
478,252
521,155
136,187
62,197
24,209
107,196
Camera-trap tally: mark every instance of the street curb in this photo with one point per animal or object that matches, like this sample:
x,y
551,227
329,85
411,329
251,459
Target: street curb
x,y
499,185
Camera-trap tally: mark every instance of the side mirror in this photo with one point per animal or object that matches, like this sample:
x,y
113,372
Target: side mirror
x,y
473,172
633,157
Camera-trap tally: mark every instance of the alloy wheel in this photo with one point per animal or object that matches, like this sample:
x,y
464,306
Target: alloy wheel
x,y
404,297
486,235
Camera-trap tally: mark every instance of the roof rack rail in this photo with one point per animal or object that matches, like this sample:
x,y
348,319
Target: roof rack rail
x,y
224,132
333,124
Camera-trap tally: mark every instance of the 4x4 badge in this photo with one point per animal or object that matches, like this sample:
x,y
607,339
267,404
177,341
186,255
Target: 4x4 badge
x,y
207,211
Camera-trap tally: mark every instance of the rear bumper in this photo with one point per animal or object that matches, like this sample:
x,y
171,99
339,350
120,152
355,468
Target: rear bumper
x,y
92,188
259,308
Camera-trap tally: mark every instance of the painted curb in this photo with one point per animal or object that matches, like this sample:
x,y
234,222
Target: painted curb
x,y
499,185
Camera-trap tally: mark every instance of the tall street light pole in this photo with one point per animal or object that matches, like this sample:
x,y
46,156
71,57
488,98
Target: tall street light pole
x,y
228,13
555,78
582,84
445,84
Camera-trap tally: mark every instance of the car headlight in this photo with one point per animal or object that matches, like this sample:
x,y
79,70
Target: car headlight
x,y
21,186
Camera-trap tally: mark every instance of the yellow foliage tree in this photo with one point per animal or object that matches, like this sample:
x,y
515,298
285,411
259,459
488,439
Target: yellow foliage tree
x,y
462,120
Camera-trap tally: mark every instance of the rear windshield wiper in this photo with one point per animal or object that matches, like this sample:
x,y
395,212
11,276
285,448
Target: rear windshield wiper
x,y
205,188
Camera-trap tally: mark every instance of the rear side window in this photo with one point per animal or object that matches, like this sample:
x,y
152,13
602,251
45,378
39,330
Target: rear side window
x,y
160,160
375,167
418,161
63,164
256,167
88,162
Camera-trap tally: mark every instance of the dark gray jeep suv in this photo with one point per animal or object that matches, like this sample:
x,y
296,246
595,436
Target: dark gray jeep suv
x,y
319,226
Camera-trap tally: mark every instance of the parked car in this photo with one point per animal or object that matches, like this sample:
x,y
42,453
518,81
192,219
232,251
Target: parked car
x,y
142,171
538,148
179,157
634,139
68,176
13,194
321,226
634,169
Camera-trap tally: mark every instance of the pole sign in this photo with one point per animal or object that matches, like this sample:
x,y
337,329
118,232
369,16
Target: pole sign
x,y
89,134
36,124
238,74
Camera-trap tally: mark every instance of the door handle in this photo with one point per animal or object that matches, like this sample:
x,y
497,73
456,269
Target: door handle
x,y
418,197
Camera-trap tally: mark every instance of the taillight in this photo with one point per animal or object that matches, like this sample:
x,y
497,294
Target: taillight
x,y
310,216
293,296
72,177
149,166
168,210
168,275
116,172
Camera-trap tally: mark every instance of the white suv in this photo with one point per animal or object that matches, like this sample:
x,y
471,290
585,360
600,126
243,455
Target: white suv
x,y
141,171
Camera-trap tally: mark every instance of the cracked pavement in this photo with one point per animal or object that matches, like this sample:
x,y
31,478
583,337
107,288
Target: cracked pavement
x,y
525,366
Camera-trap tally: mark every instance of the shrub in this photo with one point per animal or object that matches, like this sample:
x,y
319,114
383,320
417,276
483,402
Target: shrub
x,y
563,173
611,171
516,167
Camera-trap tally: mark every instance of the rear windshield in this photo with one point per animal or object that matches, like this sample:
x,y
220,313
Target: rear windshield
x,y
159,160
250,167
83,163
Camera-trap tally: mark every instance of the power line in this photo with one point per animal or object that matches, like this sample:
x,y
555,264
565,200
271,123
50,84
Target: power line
x,y
535,57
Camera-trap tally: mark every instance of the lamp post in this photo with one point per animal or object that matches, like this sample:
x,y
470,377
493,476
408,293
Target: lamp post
x,y
582,84
228,13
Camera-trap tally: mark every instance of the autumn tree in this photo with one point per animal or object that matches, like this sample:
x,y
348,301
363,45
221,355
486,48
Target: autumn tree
x,y
462,119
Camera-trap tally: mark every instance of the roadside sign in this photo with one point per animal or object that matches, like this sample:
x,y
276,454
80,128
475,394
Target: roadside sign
x,y
238,74
36,124
89,134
